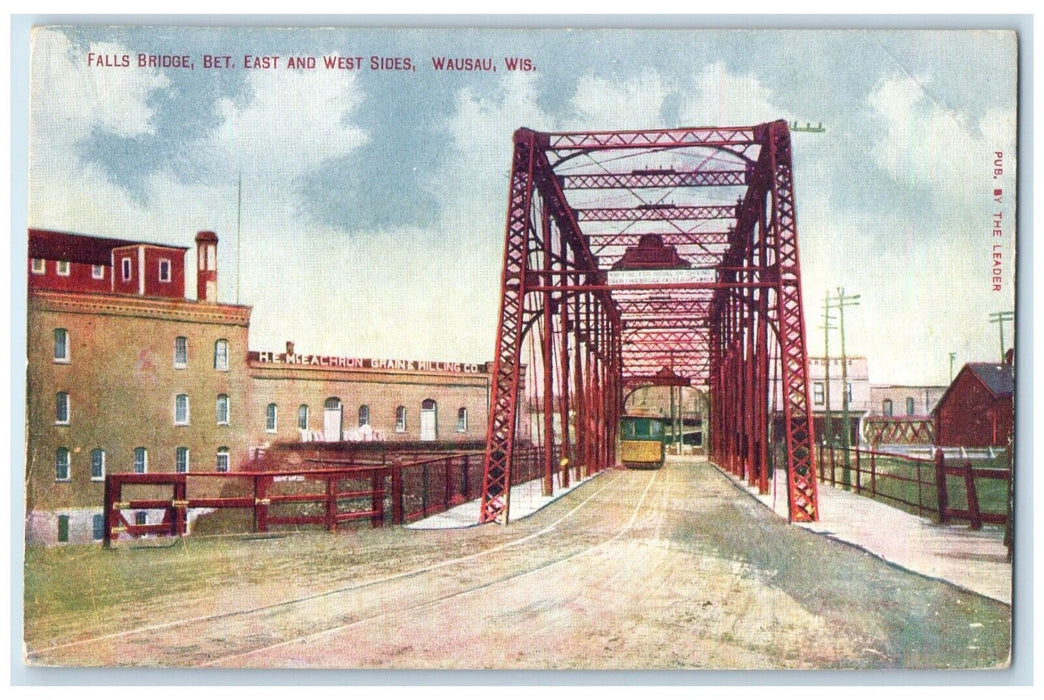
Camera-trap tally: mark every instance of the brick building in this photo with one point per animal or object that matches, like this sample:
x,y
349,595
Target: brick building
x,y
125,373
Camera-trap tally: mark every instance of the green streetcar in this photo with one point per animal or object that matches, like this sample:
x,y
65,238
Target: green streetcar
x,y
642,442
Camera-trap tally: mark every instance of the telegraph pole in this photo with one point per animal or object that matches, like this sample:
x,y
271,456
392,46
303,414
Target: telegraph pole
x,y
828,428
841,301
999,318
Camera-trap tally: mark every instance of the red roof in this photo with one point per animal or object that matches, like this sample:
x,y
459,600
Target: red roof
x,y
78,248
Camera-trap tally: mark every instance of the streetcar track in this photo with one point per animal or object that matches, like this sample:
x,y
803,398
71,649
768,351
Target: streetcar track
x,y
213,617
458,594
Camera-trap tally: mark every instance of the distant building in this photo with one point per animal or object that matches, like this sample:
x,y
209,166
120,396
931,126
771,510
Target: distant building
x,y
900,415
825,378
978,408
127,374
904,401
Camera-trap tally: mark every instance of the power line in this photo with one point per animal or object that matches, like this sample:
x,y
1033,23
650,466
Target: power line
x,y
840,302
999,317
828,427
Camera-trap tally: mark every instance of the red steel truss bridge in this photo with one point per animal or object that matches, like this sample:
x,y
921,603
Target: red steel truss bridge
x,y
658,257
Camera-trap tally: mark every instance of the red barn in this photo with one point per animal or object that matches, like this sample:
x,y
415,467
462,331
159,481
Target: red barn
x,y
978,408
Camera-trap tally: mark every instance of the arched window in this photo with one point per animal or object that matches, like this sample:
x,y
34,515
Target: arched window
x,y
221,355
181,460
909,405
61,345
141,460
222,409
271,418
97,464
400,419
462,420
181,409
302,417
61,464
364,415
886,407
222,459
61,408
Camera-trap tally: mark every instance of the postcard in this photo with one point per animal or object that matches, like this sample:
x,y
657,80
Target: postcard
x,y
475,348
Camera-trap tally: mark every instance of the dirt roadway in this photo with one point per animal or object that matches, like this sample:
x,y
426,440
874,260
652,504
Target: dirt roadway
x,y
635,570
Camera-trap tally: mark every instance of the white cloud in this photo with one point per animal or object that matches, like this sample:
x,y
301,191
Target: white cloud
x,y
599,103
294,121
926,144
71,97
718,97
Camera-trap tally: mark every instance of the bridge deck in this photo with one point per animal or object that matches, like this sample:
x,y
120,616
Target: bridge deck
x,y
975,560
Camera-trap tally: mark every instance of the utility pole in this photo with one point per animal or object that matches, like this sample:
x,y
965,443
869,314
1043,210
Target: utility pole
x,y
999,318
953,356
828,427
841,301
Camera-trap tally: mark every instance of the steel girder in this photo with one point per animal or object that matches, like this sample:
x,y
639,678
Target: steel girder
x,y
739,335
642,179
656,212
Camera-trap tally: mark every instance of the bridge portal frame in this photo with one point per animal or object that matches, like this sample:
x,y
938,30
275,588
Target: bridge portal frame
x,y
750,334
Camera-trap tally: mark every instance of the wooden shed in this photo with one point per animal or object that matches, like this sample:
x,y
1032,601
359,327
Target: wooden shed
x,y
977,409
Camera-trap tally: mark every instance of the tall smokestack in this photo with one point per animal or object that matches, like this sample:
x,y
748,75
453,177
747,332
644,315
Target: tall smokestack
x,y
206,266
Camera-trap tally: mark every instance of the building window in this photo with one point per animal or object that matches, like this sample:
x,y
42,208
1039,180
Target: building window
x,y
98,527
39,266
886,407
302,417
271,418
181,409
61,345
164,270
817,392
909,405
141,460
222,409
62,268
181,460
141,518
61,408
462,420
97,464
181,351
221,355
98,272
222,459
125,263
400,419
63,528
364,415
848,392
61,464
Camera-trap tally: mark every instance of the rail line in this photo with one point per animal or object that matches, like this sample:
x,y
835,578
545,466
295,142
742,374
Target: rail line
x,y
458,594
322,594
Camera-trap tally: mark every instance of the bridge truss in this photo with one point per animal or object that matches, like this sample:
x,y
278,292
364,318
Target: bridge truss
x,y
586,309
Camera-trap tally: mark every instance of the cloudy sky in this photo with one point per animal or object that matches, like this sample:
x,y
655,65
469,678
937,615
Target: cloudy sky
x,y
373,202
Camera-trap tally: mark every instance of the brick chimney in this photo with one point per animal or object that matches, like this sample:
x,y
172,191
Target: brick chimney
x,y
206,266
